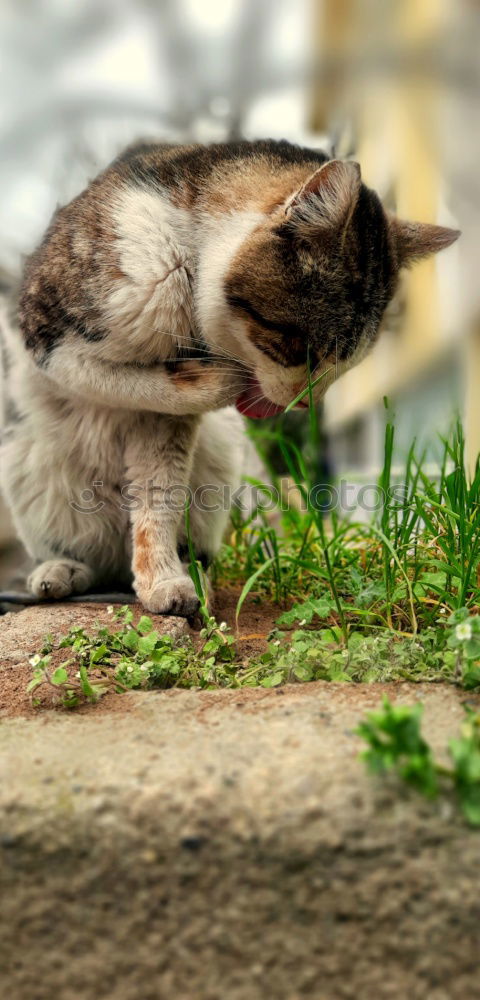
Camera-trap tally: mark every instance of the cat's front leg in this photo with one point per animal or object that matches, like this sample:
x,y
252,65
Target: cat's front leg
x,y
159,457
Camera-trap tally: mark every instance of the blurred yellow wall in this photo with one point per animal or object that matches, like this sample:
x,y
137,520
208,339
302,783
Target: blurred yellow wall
x,y
380,78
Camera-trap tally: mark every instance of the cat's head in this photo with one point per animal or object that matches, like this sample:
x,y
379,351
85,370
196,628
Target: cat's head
x,y
309,284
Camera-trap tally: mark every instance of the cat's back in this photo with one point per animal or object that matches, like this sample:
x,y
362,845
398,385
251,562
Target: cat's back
x,y
219,175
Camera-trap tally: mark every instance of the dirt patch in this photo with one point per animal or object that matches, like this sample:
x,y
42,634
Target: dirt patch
x,y
354,700
257,619
15,700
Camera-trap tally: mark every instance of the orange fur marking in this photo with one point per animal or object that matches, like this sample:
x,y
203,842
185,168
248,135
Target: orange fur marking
x,y
142,562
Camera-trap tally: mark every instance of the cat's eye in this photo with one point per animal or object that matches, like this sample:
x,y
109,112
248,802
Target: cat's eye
x,y
281,326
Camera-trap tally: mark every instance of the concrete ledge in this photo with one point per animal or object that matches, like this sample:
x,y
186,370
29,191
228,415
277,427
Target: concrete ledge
x,y
228,846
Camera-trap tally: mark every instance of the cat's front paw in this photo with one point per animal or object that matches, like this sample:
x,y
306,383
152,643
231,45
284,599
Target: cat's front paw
x,y
176,596
208,385
57,578
226,385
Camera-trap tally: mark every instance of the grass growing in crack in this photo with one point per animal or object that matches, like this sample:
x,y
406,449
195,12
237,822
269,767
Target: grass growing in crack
x,y
395,743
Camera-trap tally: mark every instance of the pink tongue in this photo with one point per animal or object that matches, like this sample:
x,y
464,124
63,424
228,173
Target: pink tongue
x,y
252,403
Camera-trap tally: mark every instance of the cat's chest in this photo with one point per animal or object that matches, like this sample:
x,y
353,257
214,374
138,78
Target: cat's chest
x,y
149,305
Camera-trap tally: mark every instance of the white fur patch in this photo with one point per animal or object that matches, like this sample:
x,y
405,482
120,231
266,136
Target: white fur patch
x,y
152,306
152,234
221,238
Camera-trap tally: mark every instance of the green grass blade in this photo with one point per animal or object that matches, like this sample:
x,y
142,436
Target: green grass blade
x,y
307,391
249,585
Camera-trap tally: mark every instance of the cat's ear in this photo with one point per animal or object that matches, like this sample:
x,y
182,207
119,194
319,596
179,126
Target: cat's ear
x,y
327,200
420,239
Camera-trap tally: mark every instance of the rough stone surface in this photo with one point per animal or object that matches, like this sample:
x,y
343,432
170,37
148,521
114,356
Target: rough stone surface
x,y
229,846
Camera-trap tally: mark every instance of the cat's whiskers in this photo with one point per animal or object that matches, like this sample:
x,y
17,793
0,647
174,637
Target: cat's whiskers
x,y
209,358
258,399
195,374
207,354
208,362
218,353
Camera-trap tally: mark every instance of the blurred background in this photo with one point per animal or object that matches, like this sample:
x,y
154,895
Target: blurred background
x,y
394,83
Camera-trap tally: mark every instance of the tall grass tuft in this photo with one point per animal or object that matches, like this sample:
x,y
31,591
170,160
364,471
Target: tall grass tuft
x,y
417,560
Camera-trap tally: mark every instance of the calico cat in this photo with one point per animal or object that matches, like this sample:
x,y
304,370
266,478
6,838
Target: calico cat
x,y
183,280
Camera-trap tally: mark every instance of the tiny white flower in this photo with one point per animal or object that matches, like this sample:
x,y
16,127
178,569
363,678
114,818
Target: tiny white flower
x,y
303,621
129,670
276,642
463,631
35,660
110,609
443,611
141,668
223,626
77,673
